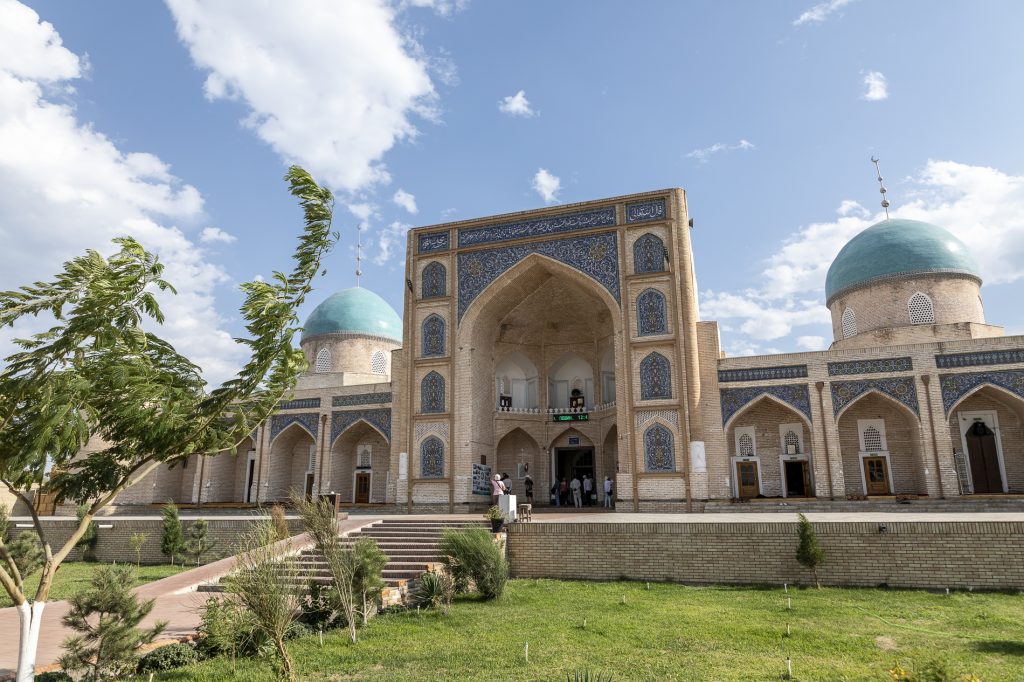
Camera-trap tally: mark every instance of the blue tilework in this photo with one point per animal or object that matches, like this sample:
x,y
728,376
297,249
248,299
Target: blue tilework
x,y
879,366
585,220
655,377
989,357
299,404
360,399
434,241
596,256
342,419
432,458
956,386
645,210
432,394
902,389
648,254
433,336
763,373
659,454
435,281
735,399
280,422
651,318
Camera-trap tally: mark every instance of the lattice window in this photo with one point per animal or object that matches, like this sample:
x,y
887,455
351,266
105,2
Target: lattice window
x,y
648,254
872,439
655,377
432,393
379,362
433,336
651,317
434,282
323,361
364,457
849,323
432,458
746,445
921,309
791,443
659,453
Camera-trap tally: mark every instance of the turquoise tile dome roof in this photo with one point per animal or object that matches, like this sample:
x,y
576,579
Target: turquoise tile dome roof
x,y
354,311
897,247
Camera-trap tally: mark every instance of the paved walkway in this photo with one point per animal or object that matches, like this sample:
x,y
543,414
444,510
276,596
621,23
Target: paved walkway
x,y
176,601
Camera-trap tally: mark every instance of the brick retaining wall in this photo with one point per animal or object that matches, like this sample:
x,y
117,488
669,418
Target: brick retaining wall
x,y
112,543
922,554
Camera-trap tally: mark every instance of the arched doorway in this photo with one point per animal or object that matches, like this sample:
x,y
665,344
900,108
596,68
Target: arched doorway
x,y
769,451
292,464
881,446
359,465
232,476
573,456
987,430
517,454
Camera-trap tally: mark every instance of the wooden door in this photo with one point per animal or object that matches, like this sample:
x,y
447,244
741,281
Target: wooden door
x,y
876,475
362,488
981,451
250,471
746,480
309,486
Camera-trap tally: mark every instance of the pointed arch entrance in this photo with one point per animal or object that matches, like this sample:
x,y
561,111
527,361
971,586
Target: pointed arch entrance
x,y
882,447
987,431
292,464
359,465
769,450
232,476
517,454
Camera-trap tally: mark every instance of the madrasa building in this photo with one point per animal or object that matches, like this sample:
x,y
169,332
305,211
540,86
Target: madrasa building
x,y
566,341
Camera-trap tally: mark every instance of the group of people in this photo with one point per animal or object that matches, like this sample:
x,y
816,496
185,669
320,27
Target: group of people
x,y
581,493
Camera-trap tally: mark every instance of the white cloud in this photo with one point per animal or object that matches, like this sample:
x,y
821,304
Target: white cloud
x,y
364,211
405,200
978,204
215,234
875,86
444,8
390,240
516,105
812,342
704,154
820,12
65,187
547,185
329,85
449,212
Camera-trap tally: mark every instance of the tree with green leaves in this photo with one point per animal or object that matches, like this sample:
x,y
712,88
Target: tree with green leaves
x,y
172,539
87,543
100,372
809,553
198,541
107,618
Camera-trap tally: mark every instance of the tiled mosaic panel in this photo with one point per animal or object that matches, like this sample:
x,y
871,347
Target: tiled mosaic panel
x,y
733,400
435,280
360,399
280,422
435,241
584,220
432,393
643,211
651,317
648,254
433,336
659,454
879,366
763,373
596,256
432,458
300,404
956,386
990,357
902,389
380,418
655,377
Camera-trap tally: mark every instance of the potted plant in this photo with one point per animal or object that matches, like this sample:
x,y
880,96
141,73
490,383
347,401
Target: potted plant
x,y
496,517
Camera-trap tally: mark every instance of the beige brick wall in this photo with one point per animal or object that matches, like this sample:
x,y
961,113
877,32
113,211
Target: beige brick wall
x,y
932,555
1010,415
904,440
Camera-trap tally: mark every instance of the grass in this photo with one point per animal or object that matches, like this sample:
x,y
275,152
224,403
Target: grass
x,y
670,632
74,576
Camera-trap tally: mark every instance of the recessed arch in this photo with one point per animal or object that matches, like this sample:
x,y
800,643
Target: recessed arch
x,y
585,441
357,423
849,323
771,398
323,361
288,428
875,391
1003,391
921,308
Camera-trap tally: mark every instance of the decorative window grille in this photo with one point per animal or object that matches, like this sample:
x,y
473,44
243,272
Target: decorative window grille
x,y
792,443
921,309
364,456
872,439
434,282
849,323
379,362
746,446
323,361
650,313
648,254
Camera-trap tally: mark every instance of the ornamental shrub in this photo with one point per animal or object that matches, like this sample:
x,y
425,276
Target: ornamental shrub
x,y
809,553
168,657
54,676
472,555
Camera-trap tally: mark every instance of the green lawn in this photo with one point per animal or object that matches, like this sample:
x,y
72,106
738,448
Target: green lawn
x,y
73,576
669,632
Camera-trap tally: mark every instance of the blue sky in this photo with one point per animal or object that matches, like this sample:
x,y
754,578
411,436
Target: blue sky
x,y
175,122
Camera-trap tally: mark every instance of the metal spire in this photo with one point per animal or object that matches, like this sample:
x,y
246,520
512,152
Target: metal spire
x,y
359,253
881,187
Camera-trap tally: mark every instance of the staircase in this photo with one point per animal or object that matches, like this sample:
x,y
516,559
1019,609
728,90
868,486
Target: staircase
x,y
411,545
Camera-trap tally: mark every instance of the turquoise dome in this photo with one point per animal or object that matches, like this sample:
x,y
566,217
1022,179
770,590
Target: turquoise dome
x,y
897,247
354,311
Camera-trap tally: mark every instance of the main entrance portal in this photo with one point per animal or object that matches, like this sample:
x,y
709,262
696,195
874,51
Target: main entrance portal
x,y
570,462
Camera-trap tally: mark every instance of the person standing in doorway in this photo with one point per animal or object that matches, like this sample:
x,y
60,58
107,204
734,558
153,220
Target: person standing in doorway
x,y
575,487
528,487
556,495
563,492
608,488
588,489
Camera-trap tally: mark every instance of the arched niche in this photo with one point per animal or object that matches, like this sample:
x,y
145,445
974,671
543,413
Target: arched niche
x,y
516,382
570,378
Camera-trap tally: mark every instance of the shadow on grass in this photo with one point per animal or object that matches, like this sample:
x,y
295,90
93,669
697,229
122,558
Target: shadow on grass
x,y
1001,646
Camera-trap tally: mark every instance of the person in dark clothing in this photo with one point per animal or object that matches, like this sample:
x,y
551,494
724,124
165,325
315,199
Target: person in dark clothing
x,y
528,486
555,497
